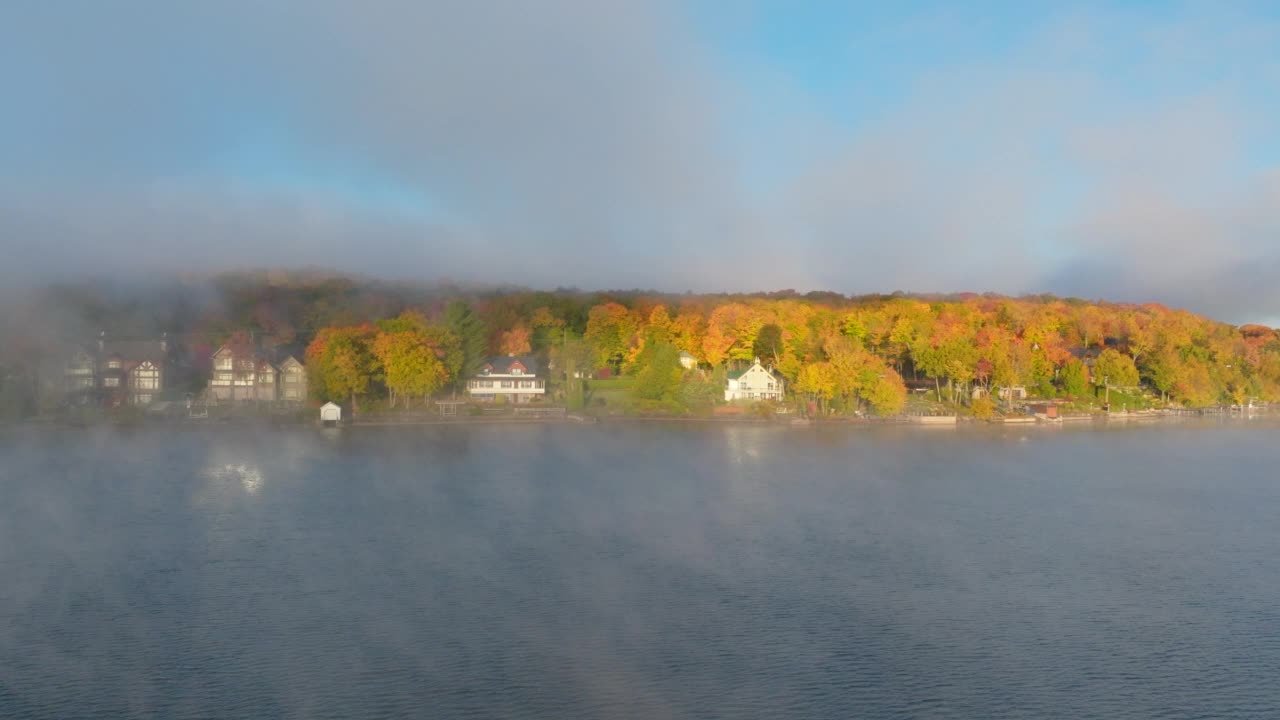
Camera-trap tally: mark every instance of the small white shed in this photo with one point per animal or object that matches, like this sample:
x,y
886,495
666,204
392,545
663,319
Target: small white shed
x,y
330,413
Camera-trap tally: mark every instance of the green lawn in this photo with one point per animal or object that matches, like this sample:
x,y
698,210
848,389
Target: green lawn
x,y
615,392
1121,400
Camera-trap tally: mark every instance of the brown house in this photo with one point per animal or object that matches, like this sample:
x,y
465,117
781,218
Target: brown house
x,y
118,372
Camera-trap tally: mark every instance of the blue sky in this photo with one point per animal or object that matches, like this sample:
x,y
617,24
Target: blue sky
x,y
1117,150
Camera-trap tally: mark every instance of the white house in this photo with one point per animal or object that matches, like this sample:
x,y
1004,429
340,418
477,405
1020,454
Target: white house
x,y
1017,392
514,379
330,413
754,383
687,360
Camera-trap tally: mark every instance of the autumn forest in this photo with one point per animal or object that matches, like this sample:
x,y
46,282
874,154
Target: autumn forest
x,y
366,341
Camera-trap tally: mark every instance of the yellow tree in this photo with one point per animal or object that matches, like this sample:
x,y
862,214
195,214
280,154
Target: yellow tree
x,y
611,331
817,381
410,365
887,393
658,327
687,331
731,333
342,363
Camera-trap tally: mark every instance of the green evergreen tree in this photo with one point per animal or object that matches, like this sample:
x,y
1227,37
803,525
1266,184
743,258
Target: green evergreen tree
x,y
659,372
472,336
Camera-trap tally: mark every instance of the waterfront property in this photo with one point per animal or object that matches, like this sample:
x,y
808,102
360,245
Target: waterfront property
x,y
330,413
755,383
293,377
239,374
242,373
117,372
511,378
1013,392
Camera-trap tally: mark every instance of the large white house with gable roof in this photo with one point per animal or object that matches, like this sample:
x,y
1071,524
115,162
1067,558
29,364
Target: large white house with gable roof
x,y
514,379
754,383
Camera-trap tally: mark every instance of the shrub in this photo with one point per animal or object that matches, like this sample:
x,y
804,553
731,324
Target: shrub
x,y
984,407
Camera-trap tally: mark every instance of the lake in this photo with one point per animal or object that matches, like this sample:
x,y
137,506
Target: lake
x,y
641,571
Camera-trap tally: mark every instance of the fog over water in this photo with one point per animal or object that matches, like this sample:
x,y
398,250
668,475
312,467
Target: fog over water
x,y
640,571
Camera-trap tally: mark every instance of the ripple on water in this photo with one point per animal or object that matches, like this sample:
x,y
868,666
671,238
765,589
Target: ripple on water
x,y
543,572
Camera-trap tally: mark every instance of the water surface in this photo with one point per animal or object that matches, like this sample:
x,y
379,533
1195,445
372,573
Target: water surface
x,y
641,571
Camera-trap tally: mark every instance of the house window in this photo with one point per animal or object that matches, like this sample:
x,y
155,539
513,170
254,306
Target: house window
x,y
517,371
113,364
508,384
770,386
111,382
526,383
146,377
143,399
265,378
223,363
290,394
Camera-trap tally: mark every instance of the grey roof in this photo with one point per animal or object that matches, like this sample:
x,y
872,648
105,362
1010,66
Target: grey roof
x,y
138,350
735,374
501,364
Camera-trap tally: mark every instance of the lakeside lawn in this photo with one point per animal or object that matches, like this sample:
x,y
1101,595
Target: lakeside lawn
x,y
614,392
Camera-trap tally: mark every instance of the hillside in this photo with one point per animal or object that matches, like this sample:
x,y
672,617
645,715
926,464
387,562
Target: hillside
x,y
839,351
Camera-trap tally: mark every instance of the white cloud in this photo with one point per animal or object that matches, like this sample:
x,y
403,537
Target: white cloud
x,y
600,144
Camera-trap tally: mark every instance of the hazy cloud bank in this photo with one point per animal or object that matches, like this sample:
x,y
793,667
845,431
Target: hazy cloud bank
x,y
612,144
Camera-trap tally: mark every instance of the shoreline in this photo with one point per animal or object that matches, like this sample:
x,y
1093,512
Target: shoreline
x,y
943,422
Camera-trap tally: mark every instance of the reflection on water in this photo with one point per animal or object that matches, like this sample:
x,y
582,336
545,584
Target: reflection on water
x,y
248,477
642,571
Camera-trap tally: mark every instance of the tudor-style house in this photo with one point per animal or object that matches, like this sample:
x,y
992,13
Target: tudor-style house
x,y
754,383
117,372
514,379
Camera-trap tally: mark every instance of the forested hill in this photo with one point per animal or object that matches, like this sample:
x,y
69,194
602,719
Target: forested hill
x,y
834,348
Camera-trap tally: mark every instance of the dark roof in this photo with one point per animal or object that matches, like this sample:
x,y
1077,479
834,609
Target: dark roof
x,y
136,350
239,351
1085,354
735,374
502,364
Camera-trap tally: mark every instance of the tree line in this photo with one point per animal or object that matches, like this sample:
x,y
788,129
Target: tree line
x,y
365,339
837,354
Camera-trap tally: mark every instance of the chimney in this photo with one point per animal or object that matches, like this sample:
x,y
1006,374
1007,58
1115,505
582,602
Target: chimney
x,y
102,340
